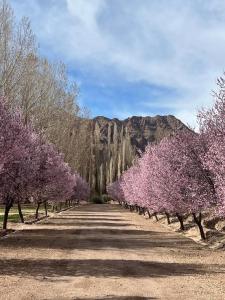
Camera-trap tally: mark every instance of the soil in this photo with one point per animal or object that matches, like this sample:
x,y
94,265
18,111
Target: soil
x,y
105,252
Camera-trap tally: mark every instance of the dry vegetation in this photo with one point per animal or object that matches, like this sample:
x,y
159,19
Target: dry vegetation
x,y
41,90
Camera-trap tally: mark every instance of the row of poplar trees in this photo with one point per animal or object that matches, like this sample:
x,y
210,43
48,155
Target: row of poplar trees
x,y
41,90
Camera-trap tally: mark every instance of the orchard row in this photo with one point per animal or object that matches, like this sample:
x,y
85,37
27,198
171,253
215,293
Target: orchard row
x,y
183,174
31,169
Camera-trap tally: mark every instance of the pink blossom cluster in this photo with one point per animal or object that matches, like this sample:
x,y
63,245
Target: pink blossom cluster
x,y
31,169
81,190
212,130
169,177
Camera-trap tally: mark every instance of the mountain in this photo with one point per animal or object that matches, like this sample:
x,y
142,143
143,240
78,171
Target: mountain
x,y
115,143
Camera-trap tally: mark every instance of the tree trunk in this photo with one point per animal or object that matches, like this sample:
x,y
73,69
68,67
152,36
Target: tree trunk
x,y
148,214
156,217
37,210
198,221
180,218
46,209
168,218
140,211
7,209
20,213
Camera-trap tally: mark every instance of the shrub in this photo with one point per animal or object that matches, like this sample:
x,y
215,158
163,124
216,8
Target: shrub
x,y
97,200
106,198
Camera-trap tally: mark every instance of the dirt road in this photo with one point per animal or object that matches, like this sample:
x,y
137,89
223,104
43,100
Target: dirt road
x,y
105,252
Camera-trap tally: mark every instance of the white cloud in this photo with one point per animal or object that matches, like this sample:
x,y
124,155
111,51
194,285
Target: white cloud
x,y
176,44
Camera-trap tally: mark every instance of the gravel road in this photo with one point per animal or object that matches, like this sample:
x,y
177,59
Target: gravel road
x,y
103,252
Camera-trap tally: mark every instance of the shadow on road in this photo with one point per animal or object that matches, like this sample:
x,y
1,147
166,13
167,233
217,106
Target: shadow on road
x,y
89,218
96,239
117,298
102,268
49,235
65,231
87,223
112,298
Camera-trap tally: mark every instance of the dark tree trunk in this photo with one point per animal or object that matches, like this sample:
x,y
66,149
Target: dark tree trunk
x,y
168,218
20,213
46,209
180,218
7,209
149,215
37,210
140,211
156,217
198,221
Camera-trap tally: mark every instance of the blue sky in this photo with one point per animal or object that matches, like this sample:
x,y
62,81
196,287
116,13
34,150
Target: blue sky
x,y
134,57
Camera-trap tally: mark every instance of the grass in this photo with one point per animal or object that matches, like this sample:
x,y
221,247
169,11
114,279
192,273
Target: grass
x,y
28,213
27,210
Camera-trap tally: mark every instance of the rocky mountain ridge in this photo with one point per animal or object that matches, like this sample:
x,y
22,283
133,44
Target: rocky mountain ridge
x,y
115,143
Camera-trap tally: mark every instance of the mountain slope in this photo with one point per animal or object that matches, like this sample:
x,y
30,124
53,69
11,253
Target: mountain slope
x,y
114,144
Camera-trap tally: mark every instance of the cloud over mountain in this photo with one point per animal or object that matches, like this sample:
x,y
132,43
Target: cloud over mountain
x,y
170,51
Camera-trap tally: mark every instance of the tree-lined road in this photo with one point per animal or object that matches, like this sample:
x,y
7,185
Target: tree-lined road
x,y
105,252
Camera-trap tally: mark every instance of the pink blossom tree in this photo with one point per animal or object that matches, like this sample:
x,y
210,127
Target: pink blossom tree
x,y
115,190
212,130
170,178
81,190
18,165
32,169
54,180
187,185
